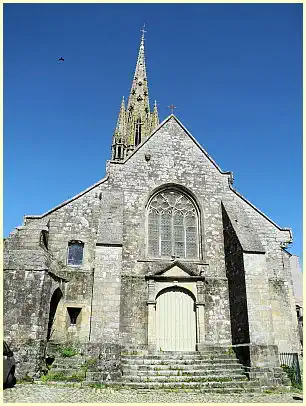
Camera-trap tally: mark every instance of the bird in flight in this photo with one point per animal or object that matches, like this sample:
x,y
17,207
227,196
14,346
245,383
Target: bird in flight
x,y
61,59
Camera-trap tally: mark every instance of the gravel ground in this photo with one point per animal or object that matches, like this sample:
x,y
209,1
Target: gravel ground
x,y
59,393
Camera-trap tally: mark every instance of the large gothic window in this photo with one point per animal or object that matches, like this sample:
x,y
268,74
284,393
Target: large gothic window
x,y
172,226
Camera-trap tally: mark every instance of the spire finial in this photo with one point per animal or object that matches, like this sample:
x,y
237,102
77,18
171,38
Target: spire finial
x,y
143,32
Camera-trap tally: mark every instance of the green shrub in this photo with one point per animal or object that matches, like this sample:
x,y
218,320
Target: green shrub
x,y
291,375
67,351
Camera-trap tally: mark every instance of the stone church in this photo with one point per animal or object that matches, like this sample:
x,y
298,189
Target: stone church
x,y
162,254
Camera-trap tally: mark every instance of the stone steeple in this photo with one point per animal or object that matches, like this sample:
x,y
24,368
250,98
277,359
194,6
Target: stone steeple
x,y
136,122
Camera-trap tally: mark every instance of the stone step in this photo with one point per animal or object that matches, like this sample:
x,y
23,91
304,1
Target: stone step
x,y
191,372
176,355
186,353
232,385
67,366
142,353
68,362
183,378
143,361
229,390
163,357
181,367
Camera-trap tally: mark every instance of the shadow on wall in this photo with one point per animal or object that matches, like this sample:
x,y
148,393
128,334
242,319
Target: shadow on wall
x,y
55,299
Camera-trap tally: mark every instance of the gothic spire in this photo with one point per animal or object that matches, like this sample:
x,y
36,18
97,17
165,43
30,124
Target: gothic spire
x,y
139,97
136,122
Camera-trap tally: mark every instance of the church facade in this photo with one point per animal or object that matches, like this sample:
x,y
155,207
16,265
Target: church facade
x,y
162,254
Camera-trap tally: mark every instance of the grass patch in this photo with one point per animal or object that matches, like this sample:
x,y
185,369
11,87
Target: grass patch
x,y
26,379
97,385
230,351
91,362
276,390
67,352
60,377
53,376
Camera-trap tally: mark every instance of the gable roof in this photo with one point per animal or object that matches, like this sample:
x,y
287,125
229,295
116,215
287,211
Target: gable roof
x,y
229,173
39,216
167,119
162,124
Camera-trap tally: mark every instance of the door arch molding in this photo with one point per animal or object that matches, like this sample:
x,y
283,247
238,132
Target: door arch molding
x,y
178,288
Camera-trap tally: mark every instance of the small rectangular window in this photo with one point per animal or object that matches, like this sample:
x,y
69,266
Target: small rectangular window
x,y
75,253
74,313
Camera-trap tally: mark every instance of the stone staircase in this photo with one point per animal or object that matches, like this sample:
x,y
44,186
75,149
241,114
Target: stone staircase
x,y
205,372
69,369
209,371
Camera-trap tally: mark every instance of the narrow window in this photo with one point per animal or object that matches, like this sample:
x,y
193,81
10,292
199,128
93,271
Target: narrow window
x,y
75,252
153,226
73,314
138,132
165,235
44,235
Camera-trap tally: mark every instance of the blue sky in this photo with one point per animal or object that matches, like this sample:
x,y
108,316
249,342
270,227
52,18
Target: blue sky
x,y
234,71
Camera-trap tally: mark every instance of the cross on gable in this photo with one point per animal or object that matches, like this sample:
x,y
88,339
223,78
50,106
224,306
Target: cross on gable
x,y
172,107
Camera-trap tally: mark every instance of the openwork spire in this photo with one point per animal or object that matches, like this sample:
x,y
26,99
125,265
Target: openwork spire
x,y
135,123
155,118
118,144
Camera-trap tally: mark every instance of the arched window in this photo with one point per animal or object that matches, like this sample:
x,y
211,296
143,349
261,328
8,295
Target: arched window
x,y
138,132
75,252
172,226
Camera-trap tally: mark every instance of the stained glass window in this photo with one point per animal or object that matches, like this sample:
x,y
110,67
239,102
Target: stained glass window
x,y
172,226
75,252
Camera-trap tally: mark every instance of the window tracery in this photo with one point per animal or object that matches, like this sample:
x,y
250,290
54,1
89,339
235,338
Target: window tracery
x,y
172,226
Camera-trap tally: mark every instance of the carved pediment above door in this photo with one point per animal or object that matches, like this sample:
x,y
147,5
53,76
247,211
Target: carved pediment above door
x,y
174,270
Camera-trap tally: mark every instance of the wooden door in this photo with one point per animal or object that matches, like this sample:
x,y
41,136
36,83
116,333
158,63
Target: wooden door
x,y
175,321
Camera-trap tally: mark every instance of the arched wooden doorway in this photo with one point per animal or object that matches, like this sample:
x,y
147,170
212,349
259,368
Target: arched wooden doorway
x,y
56,297
175,320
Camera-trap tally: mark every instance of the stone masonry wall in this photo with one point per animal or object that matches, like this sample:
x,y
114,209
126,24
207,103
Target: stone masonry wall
x,y
134,314
276,275
259,304
106,295
25,323
175,159
283,312
217,313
